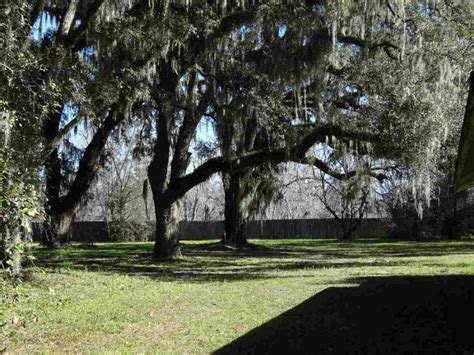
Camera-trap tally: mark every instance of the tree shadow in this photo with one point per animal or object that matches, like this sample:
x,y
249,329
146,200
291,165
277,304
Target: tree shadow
x,y
199,265
204,263
260,262
422,314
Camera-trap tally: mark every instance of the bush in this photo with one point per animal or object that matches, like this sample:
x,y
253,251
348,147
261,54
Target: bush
x,y
130,231
445,218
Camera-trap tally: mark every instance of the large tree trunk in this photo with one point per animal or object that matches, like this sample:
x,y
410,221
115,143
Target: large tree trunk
x,y
57,230
53,179
63,226
166,210
167,239
234,210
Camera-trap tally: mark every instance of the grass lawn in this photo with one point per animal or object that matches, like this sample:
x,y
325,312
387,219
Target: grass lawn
x,y
112,298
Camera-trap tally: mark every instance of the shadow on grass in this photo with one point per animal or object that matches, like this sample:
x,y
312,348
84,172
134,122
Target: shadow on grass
x,y
423,314
330,248
203,263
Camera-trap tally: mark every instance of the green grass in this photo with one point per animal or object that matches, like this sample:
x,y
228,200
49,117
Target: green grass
x,y
112,298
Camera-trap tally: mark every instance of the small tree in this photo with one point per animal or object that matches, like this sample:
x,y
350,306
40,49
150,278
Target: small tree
x,y
346,195
347,201
117,193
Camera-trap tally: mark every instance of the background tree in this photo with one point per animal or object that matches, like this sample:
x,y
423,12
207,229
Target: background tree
x,y
115,195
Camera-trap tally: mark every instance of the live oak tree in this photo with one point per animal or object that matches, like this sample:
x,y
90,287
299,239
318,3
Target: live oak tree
x,y
344,110
346,89
183,94
72,73
173,103
99,94
118,45
247,113
61,75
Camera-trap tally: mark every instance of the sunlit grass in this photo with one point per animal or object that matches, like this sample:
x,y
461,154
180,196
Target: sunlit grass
x,y
112,298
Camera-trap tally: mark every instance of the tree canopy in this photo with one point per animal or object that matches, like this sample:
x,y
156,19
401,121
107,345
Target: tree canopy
x,y
384,79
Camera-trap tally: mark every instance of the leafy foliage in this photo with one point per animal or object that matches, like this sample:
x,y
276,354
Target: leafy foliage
x,y
18,206
20,118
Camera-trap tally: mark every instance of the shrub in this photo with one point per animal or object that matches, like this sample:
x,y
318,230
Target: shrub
x,y
130,231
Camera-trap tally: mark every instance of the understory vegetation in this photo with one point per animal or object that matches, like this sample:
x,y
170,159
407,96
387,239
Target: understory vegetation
x,y
112,298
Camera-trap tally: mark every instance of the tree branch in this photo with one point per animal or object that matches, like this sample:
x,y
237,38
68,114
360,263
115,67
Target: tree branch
x,y
59,137
36,11
68,18
76,34
297,152
89,163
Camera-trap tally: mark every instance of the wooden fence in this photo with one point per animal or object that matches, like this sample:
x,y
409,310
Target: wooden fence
x,y
200,230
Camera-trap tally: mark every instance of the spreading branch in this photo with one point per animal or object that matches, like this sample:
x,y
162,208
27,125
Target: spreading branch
x,y
297,152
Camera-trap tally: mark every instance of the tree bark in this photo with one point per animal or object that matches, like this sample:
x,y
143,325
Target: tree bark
x,y
53,180
68,18
167,238
53,188
166,212
234,210
59,229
